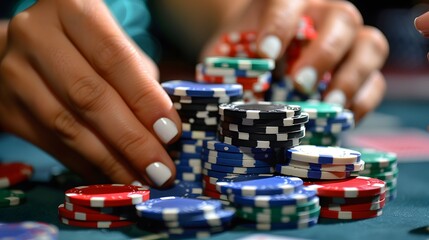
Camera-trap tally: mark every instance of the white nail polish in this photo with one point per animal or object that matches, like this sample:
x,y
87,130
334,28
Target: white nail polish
x,y
136,183
165,129
307,78
336,96
158,173
271,46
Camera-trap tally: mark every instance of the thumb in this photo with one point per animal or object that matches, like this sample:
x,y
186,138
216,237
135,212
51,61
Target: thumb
x,y
278,25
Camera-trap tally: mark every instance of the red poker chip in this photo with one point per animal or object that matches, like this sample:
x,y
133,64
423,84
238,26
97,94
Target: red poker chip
x,y
371,206
247,50
82,216
107,195
14,173
96,224
344,201
349,188
239,37
209,186
349,215
215,194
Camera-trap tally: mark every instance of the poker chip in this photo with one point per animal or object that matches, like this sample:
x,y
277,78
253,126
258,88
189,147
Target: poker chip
x,y
194,89
306,223
376,159
358,166
175,208
322,154
210,121
238,170
281,210
350,215
267,218
240,63
258,185
14,173
260,129
10,197
260,144
238,156
98,210
263,137
226,71
107,195
96,224
236,162
198,135
311,174
325,201
258,110
204,100
239,37
215,194
224,147
316,109
82,216
371,206
28,230
302,118
196,107
349,188
301,196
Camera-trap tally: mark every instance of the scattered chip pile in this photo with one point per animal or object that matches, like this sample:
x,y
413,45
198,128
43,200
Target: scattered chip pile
x,y
320,162
12,174
326,122
267,202
28,230
177,217
350,199
102,206
381,165
197,105
252,73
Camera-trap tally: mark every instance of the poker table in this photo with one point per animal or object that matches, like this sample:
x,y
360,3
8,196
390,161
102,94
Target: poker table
x,y
406,217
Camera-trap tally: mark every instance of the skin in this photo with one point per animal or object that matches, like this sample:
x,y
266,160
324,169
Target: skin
x,y
421,24
91,99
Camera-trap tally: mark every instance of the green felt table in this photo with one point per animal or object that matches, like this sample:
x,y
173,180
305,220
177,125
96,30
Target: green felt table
x,y
406,217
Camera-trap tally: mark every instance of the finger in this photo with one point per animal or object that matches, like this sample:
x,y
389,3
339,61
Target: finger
x,y
421,23
368,53
279,22
369,95
55,117
337,23
119,62
89,96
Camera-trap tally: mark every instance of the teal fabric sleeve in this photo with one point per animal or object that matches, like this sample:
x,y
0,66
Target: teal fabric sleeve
x,y
132,15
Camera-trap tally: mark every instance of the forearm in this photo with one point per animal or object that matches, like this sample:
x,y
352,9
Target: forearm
x,y
3,34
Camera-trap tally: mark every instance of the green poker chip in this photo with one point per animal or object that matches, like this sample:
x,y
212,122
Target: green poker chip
x,y
269,218
376,159
278,211
264,64
10,197
317,109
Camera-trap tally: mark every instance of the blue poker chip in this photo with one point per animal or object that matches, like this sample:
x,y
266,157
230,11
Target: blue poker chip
x,y
301,196
306,223
236,162
313,174
28,230
259,185
218,218
224,147
198,135
216,174
238,156
184,155
322,154
238,170
188,162
195,89
188,169
186,189
176,208
187,176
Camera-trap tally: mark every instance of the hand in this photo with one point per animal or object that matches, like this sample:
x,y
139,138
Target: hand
x,y
73,84
352,52
421,24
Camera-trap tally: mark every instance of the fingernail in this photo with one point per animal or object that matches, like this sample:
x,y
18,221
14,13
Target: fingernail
x,y
136,183
165,129
158,173
307,78
271,46
337,97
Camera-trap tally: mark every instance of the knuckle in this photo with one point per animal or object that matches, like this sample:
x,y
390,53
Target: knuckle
x,y
109,165
146,97
378,39
130,143
112,51
87,94
66,125
353,15
18,28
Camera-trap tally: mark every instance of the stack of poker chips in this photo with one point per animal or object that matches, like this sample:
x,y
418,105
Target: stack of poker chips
x,y
350,199
175,217
320,162
271,202
11,175
381,165
222,160
197,105
252,73
28,230
102,206
327,122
